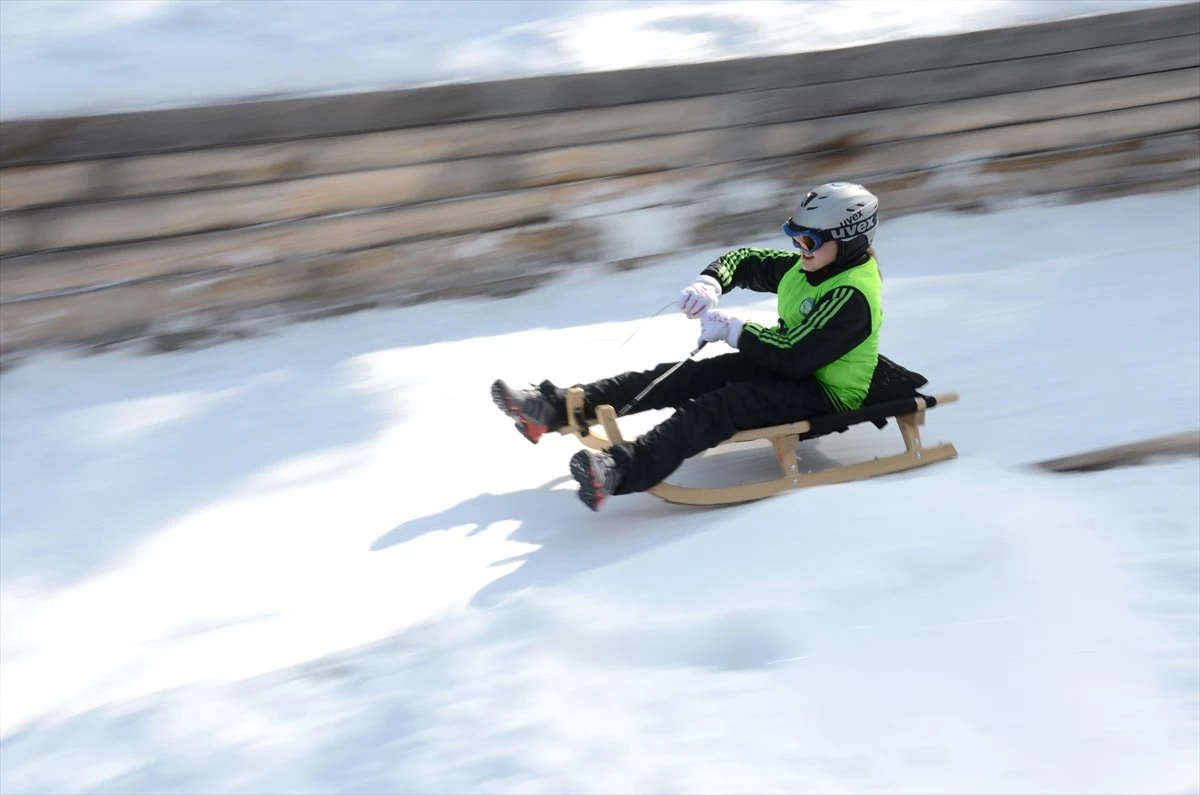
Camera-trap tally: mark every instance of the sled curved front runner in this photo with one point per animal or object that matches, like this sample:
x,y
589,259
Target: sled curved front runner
x,y
909,414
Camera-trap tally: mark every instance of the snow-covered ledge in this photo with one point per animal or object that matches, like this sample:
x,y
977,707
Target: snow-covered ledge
x,y
184,223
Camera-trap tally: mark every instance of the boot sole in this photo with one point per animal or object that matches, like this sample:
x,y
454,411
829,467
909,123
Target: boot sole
x,y
591,490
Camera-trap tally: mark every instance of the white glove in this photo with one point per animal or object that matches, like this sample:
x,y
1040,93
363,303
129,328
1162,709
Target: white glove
x,y
701,295
718,326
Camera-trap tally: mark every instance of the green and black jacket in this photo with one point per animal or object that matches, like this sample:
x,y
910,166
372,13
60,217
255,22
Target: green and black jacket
x,y
829,321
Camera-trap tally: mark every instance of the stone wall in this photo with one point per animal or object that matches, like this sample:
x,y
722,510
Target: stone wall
x,y
183,223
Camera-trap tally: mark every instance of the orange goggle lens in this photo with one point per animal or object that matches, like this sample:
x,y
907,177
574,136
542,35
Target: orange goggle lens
x,y
807,240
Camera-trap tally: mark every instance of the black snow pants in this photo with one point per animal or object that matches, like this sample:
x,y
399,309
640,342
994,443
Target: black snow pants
x,y
714,398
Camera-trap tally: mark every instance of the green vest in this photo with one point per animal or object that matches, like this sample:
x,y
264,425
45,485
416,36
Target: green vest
x,y
846,379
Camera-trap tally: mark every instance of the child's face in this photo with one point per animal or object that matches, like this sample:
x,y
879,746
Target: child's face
x,y
823,256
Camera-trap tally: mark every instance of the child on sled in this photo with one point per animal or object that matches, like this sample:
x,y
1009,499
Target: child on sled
x,y
819,358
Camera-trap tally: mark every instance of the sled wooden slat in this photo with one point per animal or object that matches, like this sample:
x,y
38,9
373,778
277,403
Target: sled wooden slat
x,y
783,439
731,495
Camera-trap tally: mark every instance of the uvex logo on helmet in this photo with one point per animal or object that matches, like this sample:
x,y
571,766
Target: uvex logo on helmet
x,y
853,230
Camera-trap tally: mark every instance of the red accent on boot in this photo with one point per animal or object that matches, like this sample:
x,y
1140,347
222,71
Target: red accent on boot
x,y
530,429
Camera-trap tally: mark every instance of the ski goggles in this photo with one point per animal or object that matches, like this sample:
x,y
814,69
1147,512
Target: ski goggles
x,y
807,240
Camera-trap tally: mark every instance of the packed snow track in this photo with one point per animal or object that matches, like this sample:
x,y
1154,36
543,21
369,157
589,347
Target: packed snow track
x,y
320,560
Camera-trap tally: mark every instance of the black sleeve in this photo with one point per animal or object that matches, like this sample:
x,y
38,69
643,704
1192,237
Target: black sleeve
x,y
838,323
757,269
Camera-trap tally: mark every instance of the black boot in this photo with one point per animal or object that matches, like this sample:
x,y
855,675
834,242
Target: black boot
x,y
598,475
536,411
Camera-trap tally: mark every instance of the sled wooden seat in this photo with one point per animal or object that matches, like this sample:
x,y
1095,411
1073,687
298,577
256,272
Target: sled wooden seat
x,y
909,413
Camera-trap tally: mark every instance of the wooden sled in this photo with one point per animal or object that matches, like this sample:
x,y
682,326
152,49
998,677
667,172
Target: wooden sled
x,y
909,414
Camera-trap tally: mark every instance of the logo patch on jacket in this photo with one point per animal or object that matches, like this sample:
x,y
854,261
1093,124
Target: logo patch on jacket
x,y
806,307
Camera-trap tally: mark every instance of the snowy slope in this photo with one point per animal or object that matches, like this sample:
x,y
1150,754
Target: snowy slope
x,y
63,57
320,560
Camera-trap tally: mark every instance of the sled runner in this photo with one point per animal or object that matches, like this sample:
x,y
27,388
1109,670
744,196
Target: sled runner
x,y
908,412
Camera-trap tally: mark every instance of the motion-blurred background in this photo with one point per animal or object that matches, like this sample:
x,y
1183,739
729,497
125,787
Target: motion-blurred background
x,y
261,529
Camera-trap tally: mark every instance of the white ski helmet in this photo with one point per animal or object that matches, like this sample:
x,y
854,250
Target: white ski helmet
x,y
838,210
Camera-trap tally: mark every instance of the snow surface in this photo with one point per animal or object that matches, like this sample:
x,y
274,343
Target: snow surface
x,y
69,57
320,561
